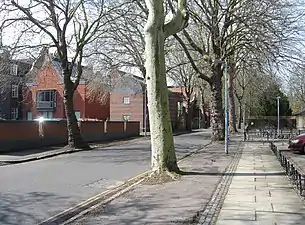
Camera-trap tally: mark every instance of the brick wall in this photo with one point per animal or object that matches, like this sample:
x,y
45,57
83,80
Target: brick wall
x,y
115,127
134,109
18,135
18,130
91,126
98,109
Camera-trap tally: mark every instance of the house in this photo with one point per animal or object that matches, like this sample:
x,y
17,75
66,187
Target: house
x,y
128,102
199,119
44,93
300,120
12,73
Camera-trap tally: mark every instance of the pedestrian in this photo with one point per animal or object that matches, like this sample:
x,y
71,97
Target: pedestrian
x,y
246,134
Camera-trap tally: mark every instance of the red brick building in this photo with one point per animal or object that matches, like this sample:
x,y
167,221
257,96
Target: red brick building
x,y
43,96
128,101
196,114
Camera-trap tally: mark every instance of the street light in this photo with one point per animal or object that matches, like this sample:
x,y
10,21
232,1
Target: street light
x,y
145,111
225,71
278,116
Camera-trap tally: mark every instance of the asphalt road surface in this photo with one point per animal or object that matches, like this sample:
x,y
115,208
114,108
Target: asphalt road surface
x,y
297,157
32,192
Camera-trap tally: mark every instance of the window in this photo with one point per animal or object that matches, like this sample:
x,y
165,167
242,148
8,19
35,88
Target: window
x,y
29,116
46,96
46,99
126,100
14,91
126,117
47,115
14,69
77,114
180,108
14,113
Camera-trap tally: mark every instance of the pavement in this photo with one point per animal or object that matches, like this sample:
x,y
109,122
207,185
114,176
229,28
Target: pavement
x,y
247,186
260,193
175,202
33,191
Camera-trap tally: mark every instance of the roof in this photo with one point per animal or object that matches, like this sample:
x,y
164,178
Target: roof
x,y
128,84
45,57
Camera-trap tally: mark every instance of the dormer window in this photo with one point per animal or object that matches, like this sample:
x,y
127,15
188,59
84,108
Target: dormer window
x,y
13,69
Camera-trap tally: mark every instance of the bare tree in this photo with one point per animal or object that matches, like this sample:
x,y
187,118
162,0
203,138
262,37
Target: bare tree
x,y
296,87
220,29
155,32
126,42
69,26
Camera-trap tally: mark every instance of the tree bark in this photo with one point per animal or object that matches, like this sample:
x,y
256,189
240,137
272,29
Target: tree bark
x,y
75,139
163,156
232,113
240,115
217,116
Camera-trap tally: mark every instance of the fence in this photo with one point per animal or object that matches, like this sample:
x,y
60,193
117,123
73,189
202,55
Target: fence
x,y
271,134
18,135
294,173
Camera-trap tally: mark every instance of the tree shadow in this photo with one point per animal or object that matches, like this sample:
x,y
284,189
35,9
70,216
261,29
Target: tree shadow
x,y
32,151
31,208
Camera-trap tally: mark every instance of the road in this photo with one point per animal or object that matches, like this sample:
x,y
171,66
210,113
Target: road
x,y
32,192
297,157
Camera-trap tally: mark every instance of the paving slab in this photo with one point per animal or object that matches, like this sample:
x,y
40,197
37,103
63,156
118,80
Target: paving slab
x,y
272,200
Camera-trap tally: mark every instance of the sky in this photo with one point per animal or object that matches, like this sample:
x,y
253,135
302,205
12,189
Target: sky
x,y
10,37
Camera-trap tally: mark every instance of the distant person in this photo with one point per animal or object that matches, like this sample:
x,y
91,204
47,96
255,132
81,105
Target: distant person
x,y
246,132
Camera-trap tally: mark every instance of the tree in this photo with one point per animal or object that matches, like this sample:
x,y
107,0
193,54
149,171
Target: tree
x,y
221,29
123,46
68,26
268,101
296,87
155,32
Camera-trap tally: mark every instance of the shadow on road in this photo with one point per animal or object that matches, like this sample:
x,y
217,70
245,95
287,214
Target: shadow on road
x,y
15,209
31,151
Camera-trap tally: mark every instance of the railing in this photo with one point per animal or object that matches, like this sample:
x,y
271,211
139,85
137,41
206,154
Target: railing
x,y
295,174
45,104
271,134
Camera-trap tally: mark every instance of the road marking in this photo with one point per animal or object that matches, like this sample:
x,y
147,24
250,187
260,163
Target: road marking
x,y
103,202
53,219
81,207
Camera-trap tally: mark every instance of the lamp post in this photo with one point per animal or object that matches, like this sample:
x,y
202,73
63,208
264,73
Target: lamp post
x,y
225,71
145,111
278,116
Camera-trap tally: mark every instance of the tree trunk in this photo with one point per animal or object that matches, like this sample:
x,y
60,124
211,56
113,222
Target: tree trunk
x,y
189,116
217,117
232,113
163,157
75,139
240,115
